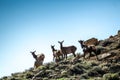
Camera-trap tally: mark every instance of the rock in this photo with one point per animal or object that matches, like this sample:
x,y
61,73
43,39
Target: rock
x,y
106,42
105,55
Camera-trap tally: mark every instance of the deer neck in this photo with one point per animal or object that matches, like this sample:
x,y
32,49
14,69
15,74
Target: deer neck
x,y
53,49
33,54
82,45
61,46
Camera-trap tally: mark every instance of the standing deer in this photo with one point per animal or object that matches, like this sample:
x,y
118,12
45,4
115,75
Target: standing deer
x,y
39,59
89,49
56,53
67,50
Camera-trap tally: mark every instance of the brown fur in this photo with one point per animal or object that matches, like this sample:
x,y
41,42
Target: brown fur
x,y
89,49
56,53
67,50
92,41
39,59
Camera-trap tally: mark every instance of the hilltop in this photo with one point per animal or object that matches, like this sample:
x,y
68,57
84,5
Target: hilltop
x,y
107,68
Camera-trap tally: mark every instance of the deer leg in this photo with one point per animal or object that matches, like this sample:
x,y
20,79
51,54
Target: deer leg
x,y
96,55
62,57
36,65
90,54
53,58
74,54
95,52
66,56
84,53
59,57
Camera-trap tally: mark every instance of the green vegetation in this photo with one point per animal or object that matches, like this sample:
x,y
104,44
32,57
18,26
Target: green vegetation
x,y
107,68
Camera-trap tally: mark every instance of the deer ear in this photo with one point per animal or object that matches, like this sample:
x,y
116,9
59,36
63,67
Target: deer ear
x,y
58,41
63,41
52,45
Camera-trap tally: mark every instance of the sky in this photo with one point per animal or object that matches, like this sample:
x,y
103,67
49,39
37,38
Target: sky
x,y
28,25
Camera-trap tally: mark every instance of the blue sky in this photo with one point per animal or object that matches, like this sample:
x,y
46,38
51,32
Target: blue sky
x,y
27,25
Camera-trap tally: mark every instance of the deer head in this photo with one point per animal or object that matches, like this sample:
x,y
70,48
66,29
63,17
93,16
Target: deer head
x,y
52,46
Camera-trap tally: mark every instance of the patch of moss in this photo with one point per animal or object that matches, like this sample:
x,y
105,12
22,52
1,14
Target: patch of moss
x,y
76,69
110,76
63,79
115,68
96,72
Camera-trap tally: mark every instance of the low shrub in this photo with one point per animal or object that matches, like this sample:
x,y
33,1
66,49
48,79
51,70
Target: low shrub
x,y
110,76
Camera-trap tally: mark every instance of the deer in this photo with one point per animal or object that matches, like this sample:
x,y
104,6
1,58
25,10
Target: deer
x,y
92,41
56,53
38,59
67,50
89,49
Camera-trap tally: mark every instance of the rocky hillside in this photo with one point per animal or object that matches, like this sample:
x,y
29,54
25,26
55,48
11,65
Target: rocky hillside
x,y
107,68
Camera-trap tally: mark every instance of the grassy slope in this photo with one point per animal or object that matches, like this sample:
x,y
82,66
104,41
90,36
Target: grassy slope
x,y
106,69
